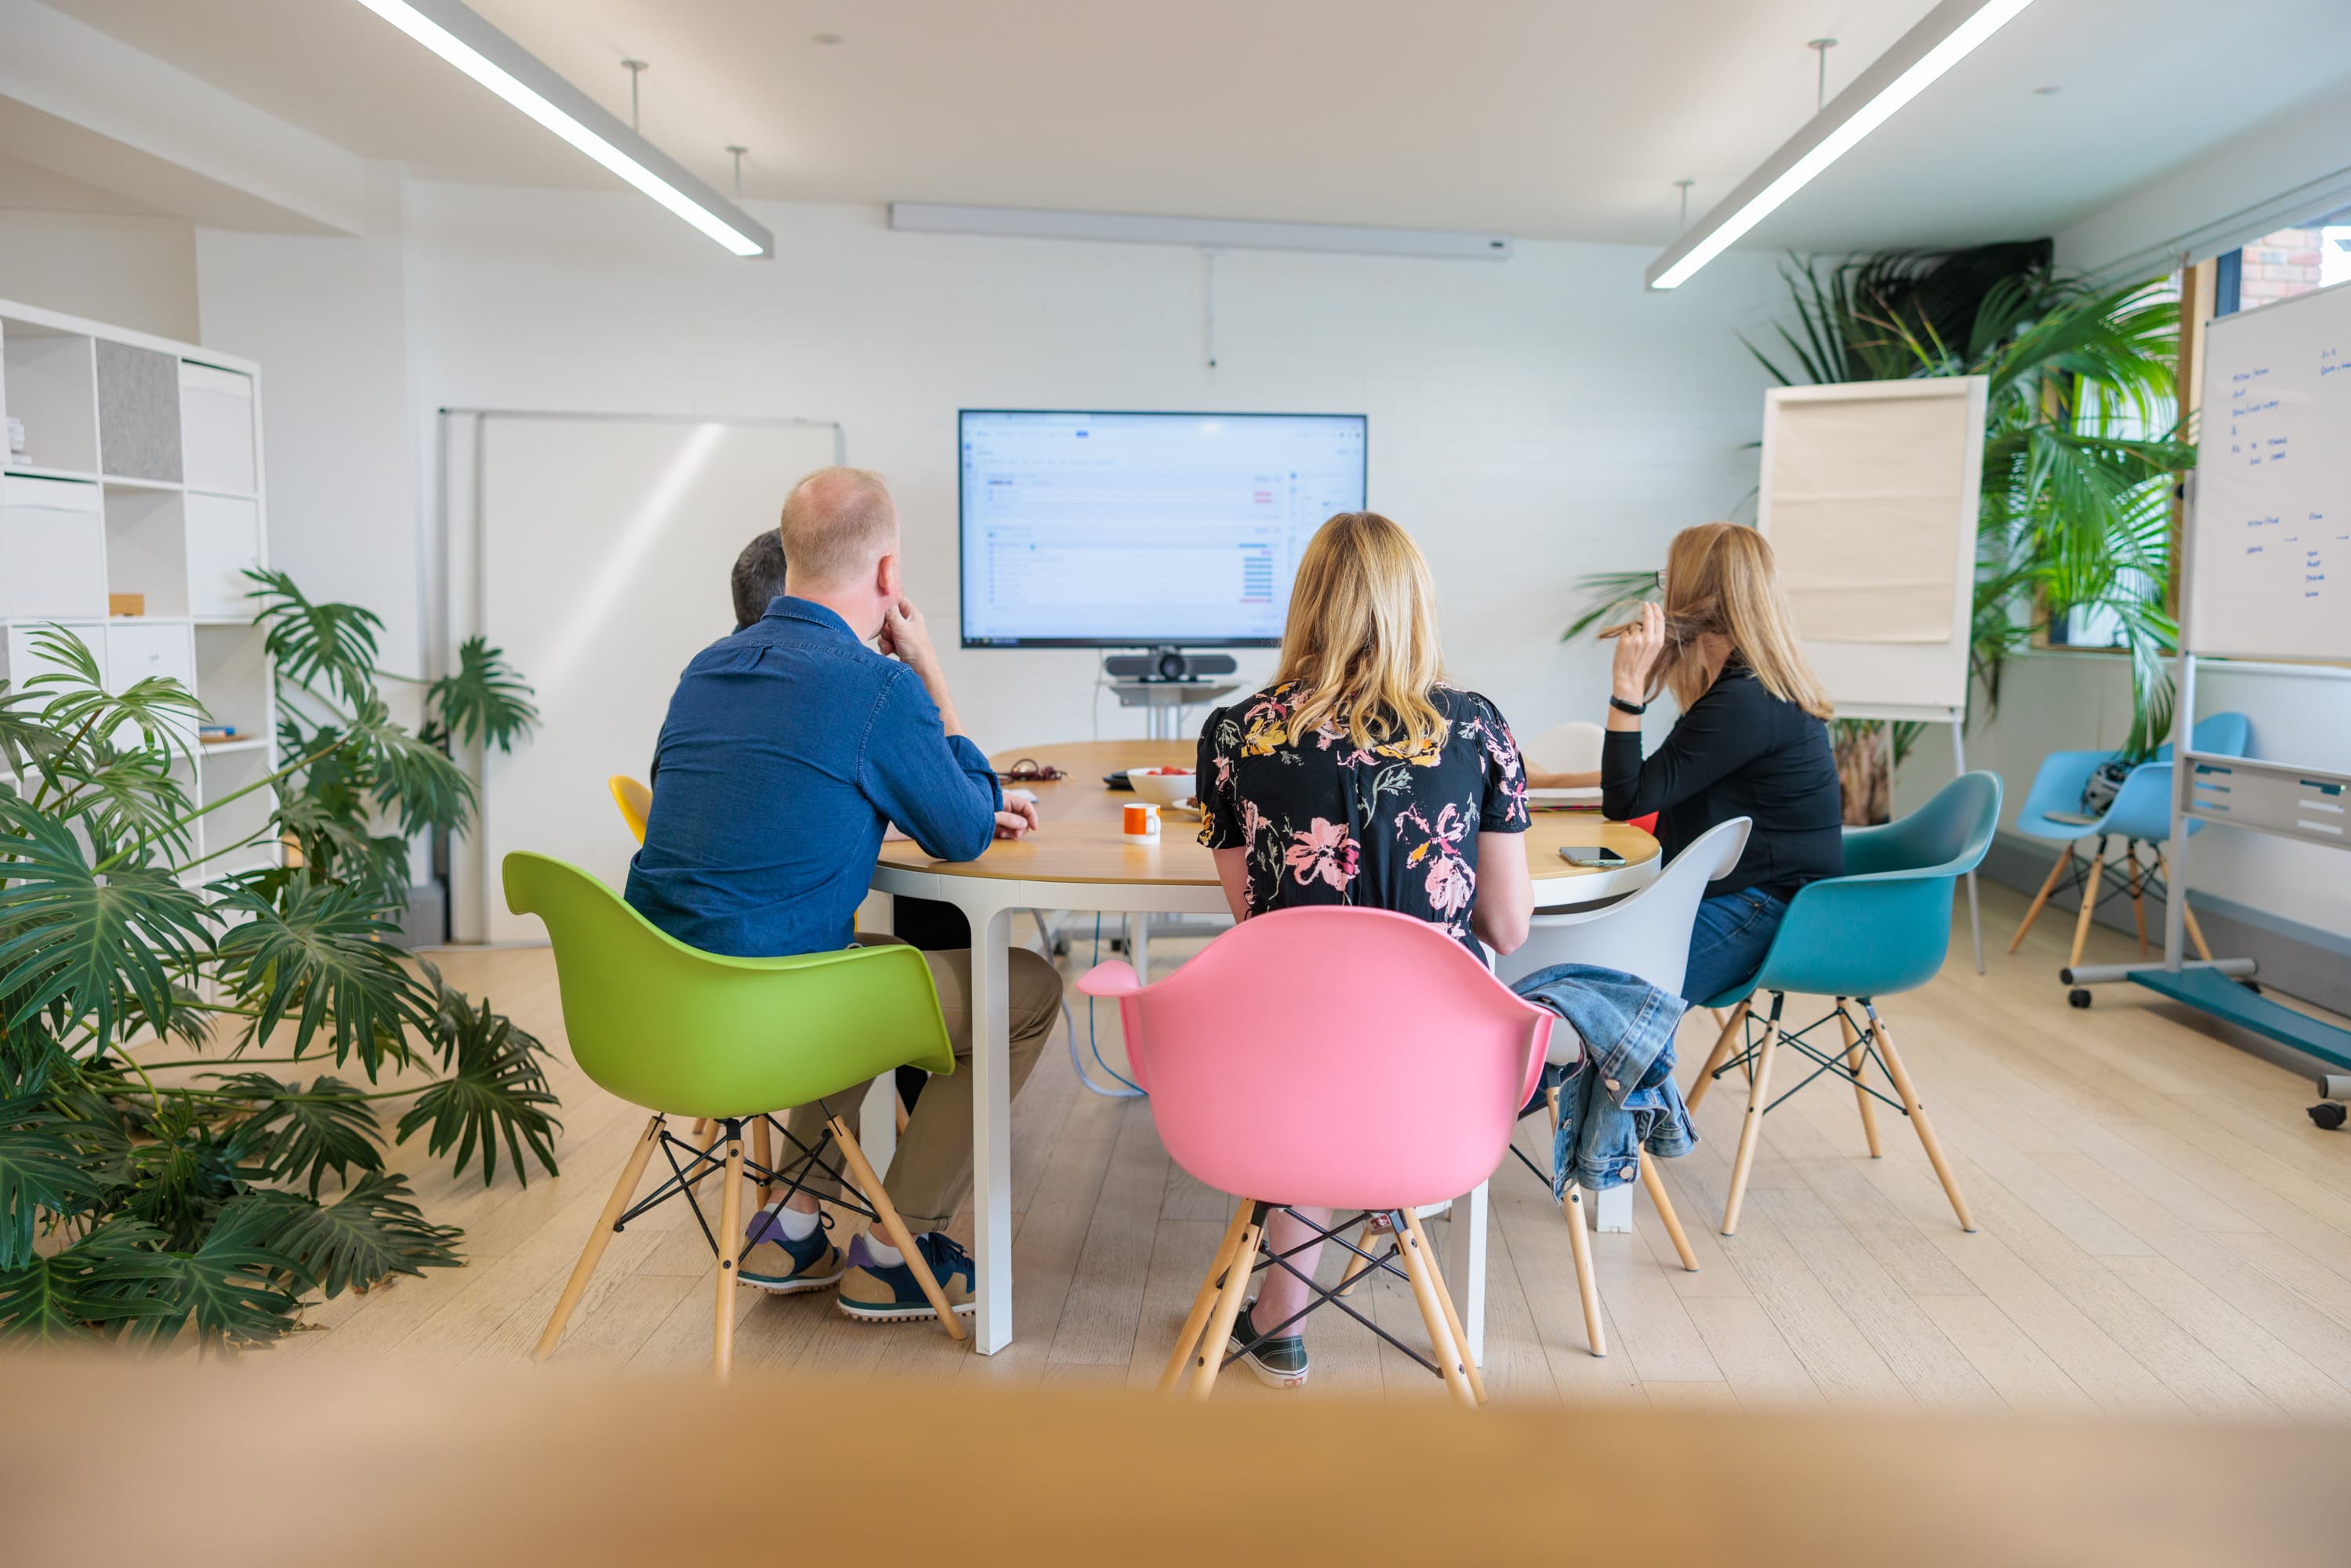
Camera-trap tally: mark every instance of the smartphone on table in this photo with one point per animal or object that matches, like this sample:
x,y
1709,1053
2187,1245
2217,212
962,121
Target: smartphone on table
x,y
1591,857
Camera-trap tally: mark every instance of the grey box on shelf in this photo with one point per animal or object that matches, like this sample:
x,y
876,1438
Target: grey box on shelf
x,y
138,413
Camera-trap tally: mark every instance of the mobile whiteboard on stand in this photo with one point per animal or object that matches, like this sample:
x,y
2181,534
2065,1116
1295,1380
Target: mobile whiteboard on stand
x,y
1870,495
2264,573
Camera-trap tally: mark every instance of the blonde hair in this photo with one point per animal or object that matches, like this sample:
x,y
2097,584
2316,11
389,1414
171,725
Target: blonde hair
x,y
838,523
1720,578
1360,642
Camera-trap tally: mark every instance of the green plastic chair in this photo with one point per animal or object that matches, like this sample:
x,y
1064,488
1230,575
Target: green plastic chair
x,y
687,1033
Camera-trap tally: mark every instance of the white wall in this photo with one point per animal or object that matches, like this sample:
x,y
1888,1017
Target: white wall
x,y
326,317
130,270
1529,420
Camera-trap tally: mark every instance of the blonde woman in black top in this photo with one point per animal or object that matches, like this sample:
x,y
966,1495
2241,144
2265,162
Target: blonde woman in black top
x,y
1753,741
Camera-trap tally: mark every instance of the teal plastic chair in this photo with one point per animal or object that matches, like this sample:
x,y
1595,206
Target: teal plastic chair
x,y
1882,927
687,1033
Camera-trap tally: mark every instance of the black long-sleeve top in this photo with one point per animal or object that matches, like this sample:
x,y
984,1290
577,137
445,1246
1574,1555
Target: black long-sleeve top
x,y
1738,752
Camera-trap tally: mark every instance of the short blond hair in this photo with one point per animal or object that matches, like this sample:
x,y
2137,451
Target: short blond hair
x,y
1361,641
837,524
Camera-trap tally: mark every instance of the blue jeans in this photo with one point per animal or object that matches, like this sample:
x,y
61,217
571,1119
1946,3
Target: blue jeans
x,y
1734,930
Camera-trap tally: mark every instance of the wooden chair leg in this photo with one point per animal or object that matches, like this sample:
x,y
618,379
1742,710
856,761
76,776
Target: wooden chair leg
x,y
861,1173
1715,1058
763,1155
1421,1269
632,1171
1855,1058
1587,1284
1210,1357
1356,1261
2089,901
1934,1145
1188,1336
2048,887
2138,891
1750,1132
2187,910
1655,1188
1452,1316
730,1234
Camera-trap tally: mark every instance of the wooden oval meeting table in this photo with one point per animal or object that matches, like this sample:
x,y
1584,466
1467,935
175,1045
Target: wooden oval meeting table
x,y
1079,858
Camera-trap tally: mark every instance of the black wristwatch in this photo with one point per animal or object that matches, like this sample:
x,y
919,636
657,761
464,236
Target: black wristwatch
x,y
1621,706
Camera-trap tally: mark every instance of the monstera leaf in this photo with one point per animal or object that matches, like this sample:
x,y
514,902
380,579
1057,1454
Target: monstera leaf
x,y
320,957
333,644
485,701
370,1234
93,945
300,1135
497,1089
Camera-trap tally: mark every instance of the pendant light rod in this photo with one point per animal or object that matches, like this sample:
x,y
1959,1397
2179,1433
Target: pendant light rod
x,y
457,34
1943,37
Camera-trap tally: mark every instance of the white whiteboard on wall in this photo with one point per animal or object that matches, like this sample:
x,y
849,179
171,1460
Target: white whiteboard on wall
x,y
1869,495
603,549
2270,548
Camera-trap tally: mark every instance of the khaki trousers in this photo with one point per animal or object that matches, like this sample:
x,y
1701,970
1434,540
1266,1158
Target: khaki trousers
x,y
930,1176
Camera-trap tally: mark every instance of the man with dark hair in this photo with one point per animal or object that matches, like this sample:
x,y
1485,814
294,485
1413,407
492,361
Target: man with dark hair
x,y
758,577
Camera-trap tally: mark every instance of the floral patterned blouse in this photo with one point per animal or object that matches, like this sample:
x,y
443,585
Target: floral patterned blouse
x,y
1325,823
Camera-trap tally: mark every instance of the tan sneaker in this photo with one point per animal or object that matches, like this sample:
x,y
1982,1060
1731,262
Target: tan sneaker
x,y
888,1293
784,1267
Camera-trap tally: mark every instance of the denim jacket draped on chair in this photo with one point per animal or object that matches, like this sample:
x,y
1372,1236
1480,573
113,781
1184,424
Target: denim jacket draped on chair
x,y
1619,1097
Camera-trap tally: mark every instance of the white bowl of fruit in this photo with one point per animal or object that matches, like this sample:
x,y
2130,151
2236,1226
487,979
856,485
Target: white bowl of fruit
x,y
1164,785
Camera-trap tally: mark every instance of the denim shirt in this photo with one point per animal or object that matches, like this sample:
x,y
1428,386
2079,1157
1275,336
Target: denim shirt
x,y
788,748
1619,1097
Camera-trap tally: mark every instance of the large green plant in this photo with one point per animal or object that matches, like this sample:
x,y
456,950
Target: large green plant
x,y
159,1178
2082,444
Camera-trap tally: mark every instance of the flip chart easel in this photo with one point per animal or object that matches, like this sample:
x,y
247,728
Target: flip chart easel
x,y
1870,493
2264,573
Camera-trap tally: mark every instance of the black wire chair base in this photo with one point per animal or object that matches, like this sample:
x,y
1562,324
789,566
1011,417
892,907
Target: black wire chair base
x,y
686,1176
1319,1298
1836,1059
2127,877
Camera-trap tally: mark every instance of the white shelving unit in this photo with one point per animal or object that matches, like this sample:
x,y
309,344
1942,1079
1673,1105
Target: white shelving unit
x,y
141,473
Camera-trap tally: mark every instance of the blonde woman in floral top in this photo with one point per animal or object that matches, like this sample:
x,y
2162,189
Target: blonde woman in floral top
x,y
1360,777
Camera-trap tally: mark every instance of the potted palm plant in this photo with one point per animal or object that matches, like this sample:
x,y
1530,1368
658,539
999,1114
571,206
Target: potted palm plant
x,y
183,1151
2082,449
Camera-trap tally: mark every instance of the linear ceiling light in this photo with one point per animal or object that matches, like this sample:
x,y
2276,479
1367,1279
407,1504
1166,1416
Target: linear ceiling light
x,y
1943,37
455,33
1244,233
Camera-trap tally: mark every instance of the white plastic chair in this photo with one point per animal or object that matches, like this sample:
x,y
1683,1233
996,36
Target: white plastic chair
x,y
1647,935
1571,747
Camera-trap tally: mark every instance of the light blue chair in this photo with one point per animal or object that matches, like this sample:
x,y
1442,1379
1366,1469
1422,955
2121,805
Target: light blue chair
x,y
1883,926
2139,814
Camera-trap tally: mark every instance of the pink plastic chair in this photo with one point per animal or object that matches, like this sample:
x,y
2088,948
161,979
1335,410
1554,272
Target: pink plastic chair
x,y
1347,1058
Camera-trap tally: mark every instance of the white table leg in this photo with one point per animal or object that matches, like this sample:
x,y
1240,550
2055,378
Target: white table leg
x,y
1613,1209
877,1123
1138,945
1465,1266
991,1126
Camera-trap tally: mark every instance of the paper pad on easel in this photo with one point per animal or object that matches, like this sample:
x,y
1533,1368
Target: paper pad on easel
x,y
1861,503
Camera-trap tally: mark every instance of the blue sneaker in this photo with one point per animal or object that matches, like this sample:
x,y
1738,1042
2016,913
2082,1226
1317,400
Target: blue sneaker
x,y
888,1293
777,1264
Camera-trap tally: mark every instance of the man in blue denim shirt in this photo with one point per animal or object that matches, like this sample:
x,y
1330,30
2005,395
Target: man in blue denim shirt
x,y
788,749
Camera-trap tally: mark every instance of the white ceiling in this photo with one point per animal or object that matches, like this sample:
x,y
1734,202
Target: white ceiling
x,y
1563,119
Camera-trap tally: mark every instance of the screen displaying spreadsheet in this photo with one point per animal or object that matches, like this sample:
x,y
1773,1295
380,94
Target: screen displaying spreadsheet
x,y
1125,531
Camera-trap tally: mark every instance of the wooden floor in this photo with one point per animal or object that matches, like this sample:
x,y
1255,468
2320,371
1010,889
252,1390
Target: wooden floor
x,y
2162,1229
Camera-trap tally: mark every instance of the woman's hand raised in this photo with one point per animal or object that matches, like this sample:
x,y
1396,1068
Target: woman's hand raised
x,y
1636,653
